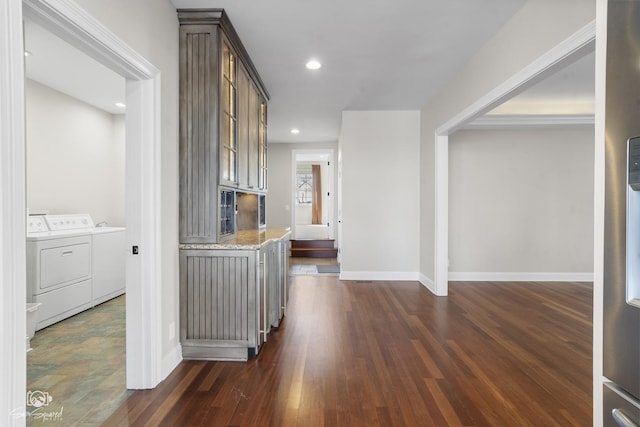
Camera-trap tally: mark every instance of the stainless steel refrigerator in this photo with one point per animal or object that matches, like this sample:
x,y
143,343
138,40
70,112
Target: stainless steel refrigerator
x,y
621,334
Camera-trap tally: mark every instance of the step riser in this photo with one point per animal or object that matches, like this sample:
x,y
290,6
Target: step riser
x,y
312,244
331,253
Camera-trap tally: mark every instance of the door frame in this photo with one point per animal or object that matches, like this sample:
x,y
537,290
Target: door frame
x,y
142,213
330,181
581,41
13,328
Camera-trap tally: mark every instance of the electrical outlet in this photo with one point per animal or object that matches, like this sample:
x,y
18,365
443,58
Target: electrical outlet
x,y
172,330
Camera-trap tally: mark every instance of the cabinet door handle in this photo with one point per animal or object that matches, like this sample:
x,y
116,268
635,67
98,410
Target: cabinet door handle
x,y
67,253
622,419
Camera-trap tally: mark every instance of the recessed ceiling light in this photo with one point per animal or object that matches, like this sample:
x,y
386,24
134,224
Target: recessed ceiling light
x,y
120,104
295,131
313,64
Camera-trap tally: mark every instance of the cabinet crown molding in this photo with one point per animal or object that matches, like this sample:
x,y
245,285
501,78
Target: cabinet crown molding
x,y
220,18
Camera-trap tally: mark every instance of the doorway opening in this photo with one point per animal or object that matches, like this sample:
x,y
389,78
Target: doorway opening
x,y
142,178
75,161
578,44
313,244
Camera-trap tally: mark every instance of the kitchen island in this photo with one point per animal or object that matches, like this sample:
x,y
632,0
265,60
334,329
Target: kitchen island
x,y
232,293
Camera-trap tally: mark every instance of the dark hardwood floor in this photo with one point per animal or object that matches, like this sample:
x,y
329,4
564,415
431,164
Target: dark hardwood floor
x,y
392,354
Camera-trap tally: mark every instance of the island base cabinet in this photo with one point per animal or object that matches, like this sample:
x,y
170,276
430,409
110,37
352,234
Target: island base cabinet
x,y
218,304
229,301
283,279
269,273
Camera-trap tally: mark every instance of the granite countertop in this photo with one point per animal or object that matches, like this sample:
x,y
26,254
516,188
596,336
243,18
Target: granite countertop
x,y
245,239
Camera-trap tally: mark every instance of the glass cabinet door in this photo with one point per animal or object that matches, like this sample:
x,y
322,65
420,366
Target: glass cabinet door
x,y
227,213
229,116
262,147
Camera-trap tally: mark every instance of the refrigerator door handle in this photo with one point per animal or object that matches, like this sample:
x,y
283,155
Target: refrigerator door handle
x,y
622,419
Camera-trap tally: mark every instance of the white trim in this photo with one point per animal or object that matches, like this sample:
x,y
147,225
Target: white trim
x,y
519,277
427,283
441,255
380,275
171,360
598,220
76,26
493,121
13,376
142,212
580,42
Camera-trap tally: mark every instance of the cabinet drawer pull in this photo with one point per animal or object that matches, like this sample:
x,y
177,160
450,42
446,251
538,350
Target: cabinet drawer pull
x,y
67,253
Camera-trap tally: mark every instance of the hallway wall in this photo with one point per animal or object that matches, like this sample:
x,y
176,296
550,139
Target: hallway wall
x,y
379,151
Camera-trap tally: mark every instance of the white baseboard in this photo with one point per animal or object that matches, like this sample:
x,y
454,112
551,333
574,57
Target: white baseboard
x,y
519,277
380,275
171,360
428,283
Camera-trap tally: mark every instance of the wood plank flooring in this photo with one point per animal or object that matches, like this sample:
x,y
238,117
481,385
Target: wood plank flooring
x,y
392,354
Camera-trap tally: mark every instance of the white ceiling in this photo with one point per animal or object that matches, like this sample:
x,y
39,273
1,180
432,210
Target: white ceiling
x,y
375,57
55,63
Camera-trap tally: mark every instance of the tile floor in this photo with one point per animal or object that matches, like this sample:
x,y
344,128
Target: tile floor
x,y
80,363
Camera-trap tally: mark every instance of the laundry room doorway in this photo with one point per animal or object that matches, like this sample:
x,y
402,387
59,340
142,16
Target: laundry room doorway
x,y
142,179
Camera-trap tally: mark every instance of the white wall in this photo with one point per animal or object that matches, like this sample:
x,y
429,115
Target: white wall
x,y
521,204
151,28
380,194
532,32
75,156
279,172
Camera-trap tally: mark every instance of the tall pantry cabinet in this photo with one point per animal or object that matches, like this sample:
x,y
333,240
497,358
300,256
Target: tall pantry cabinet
x,y
232,269
223,104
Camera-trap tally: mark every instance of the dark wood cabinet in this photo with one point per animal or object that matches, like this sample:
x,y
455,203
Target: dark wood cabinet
x,y
230,264
244,84
262,146
254,130
249,105
231,296
222,124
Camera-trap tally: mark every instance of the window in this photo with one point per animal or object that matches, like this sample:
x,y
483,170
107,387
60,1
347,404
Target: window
x,y
304,184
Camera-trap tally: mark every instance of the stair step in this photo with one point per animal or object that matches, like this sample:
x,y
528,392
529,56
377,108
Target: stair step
x,y
311,243
314,252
